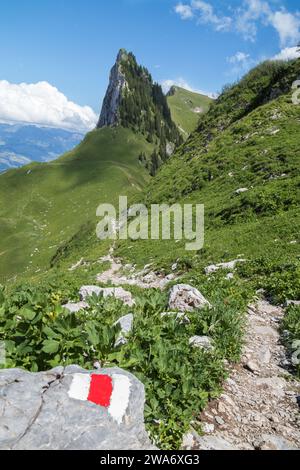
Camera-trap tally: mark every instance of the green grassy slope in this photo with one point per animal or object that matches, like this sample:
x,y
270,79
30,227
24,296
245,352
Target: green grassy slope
x,y
246,140
249,138
186,108
44,205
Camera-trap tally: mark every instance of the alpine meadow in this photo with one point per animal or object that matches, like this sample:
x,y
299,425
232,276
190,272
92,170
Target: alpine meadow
x,y
125,343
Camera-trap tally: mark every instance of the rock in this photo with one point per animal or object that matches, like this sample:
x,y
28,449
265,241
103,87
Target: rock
x,y
294,303
214,443
174,266
170,277
202,342
266,332
220,421
274,385
230,265
186,298
148,278
229,277
117,292
117,83
221,407
273,442
126,324
241,190
88,291
170,147
188,441
76,307
47,410
252,367
208,428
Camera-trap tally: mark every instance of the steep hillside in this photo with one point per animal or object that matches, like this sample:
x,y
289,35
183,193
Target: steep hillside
x,y
248,140
44,205
186,108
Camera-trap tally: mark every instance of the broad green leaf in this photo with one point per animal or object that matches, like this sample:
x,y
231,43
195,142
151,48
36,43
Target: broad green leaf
x,y
27,314
50,346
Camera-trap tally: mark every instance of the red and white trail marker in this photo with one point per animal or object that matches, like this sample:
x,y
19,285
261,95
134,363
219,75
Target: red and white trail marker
x,y
111,392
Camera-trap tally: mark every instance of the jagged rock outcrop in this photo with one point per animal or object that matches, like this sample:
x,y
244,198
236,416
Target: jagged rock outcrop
x,y
185,298
72,409
110,115
134,101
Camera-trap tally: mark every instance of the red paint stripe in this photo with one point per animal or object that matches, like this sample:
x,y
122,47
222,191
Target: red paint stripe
x,y
100,390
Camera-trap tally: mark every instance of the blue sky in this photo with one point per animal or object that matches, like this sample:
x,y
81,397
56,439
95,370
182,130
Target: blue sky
x,y
72,44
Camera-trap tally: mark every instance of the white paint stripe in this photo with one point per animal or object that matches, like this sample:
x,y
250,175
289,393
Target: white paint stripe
x,y
80,387
120,397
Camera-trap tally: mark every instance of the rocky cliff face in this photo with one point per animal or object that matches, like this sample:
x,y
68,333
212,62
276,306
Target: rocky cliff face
x,y
110,115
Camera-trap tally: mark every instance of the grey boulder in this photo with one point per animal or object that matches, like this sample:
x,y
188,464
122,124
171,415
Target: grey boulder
x,y
185,298
216,267
202,342
126,324
76,307
117,292
38,411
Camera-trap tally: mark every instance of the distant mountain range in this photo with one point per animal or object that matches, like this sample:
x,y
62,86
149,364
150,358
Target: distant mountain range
x,y
21,144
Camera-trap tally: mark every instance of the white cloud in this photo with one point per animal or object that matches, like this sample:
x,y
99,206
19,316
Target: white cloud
x,y
182,83
287,26
246,19
41,103
237,58
288,53
206,14
185,11
241,63
249,15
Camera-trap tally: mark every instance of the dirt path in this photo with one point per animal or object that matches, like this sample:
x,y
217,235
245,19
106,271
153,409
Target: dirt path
x,y
259,408
145,279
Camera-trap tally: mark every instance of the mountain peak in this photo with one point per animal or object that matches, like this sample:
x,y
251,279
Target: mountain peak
x,y
172,90
134,101
122,55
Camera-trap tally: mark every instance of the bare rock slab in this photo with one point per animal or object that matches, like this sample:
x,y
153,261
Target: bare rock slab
x,y
55,410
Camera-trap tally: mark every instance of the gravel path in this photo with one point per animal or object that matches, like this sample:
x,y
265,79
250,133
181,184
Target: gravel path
x,y
259,408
